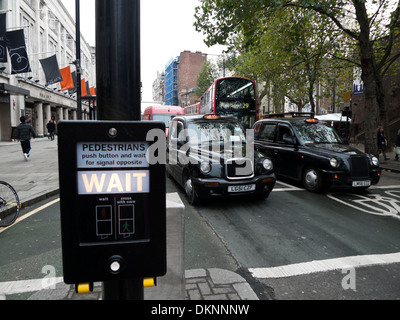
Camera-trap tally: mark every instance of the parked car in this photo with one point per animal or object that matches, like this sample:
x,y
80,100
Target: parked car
x,y
206,155
307,150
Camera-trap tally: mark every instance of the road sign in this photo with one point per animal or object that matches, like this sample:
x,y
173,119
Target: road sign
x,y
347,97
113,207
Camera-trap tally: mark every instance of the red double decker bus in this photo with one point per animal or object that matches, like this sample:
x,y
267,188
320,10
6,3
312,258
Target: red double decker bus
x,y
162,113
193,109
235,96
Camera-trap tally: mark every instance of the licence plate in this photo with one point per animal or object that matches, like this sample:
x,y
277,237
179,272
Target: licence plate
x,y
247,188
363,183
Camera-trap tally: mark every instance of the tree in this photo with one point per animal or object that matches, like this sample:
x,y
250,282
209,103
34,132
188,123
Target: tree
x,y
291,53
208,73
361,22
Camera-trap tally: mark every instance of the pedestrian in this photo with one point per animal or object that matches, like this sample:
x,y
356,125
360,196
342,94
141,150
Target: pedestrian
x,y
382,142
24,134
51,127
397,147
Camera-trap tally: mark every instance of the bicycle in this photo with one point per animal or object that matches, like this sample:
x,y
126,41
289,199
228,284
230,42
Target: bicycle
x,y
9,204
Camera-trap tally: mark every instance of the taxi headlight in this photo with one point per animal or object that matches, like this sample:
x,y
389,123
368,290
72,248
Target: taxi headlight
x,y
267,164
375,161
334,162
205,167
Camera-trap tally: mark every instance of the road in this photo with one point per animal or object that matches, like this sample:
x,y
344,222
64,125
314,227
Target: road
x,y
334,246
31,249
300,231
298,226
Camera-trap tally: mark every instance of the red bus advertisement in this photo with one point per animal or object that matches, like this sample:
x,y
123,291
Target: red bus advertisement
x,y
162,113
234,96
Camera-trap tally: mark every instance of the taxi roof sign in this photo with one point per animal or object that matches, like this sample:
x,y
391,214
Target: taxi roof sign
x,y
312,120
212,116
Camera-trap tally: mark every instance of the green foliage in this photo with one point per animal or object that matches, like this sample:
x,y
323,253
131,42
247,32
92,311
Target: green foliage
x,y
293,44
208,73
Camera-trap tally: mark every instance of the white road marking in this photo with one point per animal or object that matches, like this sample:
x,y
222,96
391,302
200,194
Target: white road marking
x,y
288,187
385,187
24,286
324,265
372,203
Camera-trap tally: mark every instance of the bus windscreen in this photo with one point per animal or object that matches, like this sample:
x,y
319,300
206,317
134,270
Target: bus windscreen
x,y
166,118
235,88
236,96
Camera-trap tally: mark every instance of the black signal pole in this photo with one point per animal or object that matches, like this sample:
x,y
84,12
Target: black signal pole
x,y
118,59
118,91
78,58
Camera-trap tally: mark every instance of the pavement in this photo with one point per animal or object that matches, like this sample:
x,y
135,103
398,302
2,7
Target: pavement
x,y
37,179
201,284
390,165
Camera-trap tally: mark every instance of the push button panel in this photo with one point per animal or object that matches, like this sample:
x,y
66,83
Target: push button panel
x,y
116,264
112,200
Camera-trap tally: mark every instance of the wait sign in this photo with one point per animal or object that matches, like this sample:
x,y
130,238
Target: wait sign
x,y
113,182
107,155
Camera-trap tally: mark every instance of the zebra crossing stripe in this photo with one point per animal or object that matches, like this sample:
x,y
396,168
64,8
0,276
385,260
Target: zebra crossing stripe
x,y
324,265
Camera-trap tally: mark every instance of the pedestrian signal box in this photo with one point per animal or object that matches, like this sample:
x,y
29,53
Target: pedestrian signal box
x,y
112,198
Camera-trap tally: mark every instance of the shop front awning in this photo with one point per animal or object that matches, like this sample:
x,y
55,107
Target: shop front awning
x,y
5,87
336,117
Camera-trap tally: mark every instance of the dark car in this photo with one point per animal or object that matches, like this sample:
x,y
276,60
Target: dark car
x,y
209,157
307,150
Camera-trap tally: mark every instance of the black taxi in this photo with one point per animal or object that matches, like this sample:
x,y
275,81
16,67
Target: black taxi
x,y
307,150
209,157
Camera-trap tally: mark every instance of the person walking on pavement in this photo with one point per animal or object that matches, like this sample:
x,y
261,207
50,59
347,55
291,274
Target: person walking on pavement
x,y
382,142
397,148
51,127
24,134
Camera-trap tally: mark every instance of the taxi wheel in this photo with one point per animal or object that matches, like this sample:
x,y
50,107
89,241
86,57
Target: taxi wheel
x,y
190,193
312,180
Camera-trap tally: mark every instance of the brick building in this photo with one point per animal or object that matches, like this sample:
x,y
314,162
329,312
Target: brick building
x,y
181,78
190,64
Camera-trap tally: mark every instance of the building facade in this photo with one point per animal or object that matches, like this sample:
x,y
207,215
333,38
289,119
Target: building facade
x,y
391,84
190,65
49,29
171,82
158,87
181,76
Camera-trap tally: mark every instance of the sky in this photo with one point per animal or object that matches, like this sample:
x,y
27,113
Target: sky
x,y
166,30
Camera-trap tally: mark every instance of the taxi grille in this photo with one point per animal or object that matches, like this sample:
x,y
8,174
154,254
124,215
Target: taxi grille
x,y
359,167
239,168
